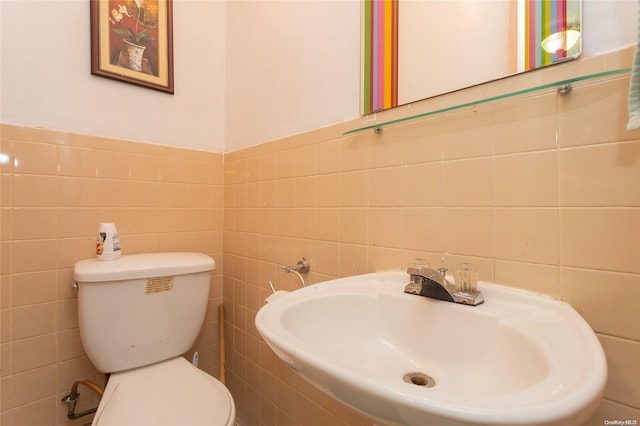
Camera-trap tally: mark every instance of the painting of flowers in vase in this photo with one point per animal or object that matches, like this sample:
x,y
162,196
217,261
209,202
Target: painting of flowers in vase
x,y
134,32
131,41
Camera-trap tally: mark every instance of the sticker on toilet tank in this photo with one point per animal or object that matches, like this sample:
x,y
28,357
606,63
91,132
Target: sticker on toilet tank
x,y
159,284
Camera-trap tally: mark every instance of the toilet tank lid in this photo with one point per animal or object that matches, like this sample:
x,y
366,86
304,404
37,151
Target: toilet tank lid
x,y
143,265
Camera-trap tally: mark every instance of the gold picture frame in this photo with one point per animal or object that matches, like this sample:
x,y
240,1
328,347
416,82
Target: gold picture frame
x,y
132,41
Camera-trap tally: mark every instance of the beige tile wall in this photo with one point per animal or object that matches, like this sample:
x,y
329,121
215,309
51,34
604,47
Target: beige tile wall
x,y
55,188
540,192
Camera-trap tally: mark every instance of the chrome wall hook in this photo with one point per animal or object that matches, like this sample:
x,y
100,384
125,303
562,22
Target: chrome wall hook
x,y
302,266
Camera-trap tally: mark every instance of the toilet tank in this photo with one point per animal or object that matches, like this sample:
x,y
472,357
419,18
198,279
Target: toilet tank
x,y
141,308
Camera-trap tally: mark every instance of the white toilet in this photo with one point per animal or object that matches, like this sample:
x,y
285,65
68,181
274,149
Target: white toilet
x,y
137,316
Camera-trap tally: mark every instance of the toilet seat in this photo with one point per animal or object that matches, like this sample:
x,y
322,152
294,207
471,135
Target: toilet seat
x,y
169,393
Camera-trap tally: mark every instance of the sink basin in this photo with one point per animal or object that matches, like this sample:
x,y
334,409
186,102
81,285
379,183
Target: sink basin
x,y
518,359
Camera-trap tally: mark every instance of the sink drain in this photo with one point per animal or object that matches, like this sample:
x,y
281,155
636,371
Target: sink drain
x,y
419,379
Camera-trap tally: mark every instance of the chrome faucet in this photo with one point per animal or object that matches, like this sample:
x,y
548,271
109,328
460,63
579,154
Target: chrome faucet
x,y
427,282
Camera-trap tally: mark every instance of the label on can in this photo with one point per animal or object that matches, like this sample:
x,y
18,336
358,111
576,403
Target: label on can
x,y
102,236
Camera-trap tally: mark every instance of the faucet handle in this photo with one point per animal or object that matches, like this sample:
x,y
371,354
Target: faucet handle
x,y
466,278
443,271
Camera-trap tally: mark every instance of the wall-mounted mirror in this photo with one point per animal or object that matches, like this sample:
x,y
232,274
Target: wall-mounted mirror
x,y
417,49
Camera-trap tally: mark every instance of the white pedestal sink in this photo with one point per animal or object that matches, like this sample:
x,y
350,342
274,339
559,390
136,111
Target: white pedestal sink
x,y
518,359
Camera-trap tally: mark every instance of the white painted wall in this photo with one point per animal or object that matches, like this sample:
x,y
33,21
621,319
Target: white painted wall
x,y
247,71
608,25
292,66
46,79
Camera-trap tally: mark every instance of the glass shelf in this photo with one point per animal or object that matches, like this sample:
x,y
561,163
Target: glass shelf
x,y
558,84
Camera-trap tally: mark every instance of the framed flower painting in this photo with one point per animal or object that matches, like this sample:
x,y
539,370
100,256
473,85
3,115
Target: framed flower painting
x,y
132,41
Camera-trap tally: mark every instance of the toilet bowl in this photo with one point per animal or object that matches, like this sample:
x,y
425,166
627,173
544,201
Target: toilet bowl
x,y
171,392
137,316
